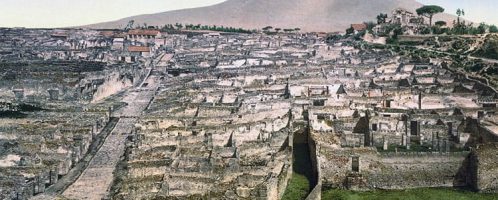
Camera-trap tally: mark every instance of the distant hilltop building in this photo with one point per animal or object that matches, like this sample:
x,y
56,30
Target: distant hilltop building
x,y
143,35
406,18
409,22
359,27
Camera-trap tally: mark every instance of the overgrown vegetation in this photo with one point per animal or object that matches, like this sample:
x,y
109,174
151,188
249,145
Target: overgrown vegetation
x,y
179,26
489,49
413,194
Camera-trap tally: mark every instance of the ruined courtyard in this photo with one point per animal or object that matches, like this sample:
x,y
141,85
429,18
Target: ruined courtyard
x,y
143,114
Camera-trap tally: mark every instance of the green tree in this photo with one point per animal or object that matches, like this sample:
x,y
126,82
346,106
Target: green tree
x,y
179,26
429,11
381,18
397,32
350,31
493,29
438,29
459,12
481,29
268,28
441,23
370,25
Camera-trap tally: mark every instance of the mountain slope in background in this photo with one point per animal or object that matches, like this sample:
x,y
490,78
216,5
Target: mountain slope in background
x,y
309,15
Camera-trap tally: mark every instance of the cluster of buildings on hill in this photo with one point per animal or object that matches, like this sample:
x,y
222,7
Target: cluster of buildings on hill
x,y
410,23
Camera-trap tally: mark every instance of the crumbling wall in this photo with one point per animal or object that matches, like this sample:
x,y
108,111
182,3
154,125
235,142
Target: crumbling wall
x,y
112,85
312,145
483,168
390,170
478,133
486,135
316,192
418,169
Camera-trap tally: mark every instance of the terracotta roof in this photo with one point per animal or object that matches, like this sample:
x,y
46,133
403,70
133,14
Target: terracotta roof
x,y
107,33
359,27
143,32
138,49
121,35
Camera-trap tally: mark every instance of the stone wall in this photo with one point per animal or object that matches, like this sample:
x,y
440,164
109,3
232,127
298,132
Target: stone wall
x,y
316,193
392,170
486,135
479,133
412,170
483,170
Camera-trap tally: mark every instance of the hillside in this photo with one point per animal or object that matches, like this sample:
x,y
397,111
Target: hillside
x,y
309,15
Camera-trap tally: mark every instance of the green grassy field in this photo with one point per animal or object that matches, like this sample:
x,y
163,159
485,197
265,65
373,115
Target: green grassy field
x,y
413,194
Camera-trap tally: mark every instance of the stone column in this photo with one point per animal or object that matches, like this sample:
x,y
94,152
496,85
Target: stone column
x,y
371,139
386,143
53,176
434,142
408,142
165,188
420,100
109,113
440,146
95,130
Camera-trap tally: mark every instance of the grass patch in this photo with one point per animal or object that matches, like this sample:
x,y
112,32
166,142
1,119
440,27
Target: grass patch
x,y
300,184
298,188
412,194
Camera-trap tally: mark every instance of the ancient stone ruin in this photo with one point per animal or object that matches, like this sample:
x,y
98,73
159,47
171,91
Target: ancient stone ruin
x,y
140,114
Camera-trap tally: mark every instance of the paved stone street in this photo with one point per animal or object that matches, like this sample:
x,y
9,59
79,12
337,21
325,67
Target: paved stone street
x,y
96,180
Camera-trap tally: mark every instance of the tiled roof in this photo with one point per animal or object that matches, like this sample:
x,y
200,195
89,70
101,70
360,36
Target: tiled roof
x,y
359,27
143,32
138,49
107,33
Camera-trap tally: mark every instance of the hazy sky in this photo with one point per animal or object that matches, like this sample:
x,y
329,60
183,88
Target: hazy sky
x,y
62,13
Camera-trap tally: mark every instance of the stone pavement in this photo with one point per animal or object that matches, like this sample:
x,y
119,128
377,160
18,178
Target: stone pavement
x,y
96,180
